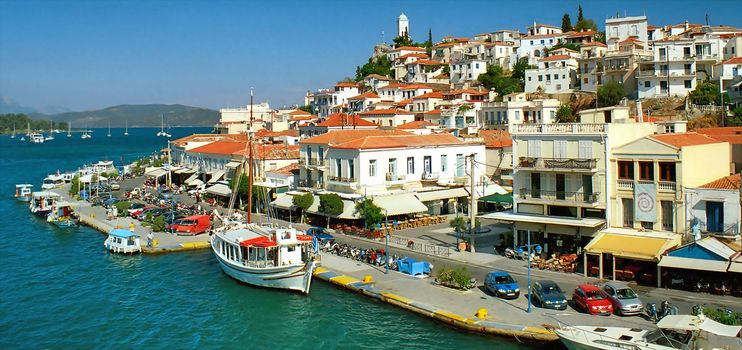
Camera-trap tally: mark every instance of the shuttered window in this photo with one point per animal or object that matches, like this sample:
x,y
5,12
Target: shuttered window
x,y
560,149
585,150
534,148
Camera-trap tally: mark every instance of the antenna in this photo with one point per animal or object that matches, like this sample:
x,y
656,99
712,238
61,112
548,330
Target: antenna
x,y
707,19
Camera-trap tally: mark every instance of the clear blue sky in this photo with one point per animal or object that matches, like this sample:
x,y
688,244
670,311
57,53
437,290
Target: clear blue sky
x,y
92,54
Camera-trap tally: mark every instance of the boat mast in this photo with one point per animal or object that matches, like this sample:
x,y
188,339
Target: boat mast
x,y
250,174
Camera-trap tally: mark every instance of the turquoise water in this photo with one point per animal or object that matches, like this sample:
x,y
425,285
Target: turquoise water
x,y
61,289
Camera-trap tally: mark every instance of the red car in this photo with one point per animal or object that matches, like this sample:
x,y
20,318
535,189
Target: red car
x,y
137,212
191,225
591,299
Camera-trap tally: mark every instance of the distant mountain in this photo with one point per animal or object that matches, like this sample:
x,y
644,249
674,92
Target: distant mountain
x,y
138,116
8,105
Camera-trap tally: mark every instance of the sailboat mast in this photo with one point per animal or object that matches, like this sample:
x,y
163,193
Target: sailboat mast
x,y
250,174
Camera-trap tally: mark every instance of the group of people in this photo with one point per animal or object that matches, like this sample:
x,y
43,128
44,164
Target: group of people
x,y
112,212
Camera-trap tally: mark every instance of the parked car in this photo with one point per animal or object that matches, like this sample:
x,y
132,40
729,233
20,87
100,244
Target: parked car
x,y
549,295
115,186
135,207
134,214
153,211
110,202
591,299
322,236
502,285
624,300
192,225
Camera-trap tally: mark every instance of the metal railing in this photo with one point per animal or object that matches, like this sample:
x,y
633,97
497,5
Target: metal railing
x,y
420,247
579,196
560,128
342,179
558,163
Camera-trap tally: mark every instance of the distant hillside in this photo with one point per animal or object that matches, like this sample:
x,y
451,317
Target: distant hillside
x,y
137,116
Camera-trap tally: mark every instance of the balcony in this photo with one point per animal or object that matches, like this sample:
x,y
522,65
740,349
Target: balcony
x,y
342,179
309,184
625,185
428,176
312,162
666,186
575,197
559,164
662,186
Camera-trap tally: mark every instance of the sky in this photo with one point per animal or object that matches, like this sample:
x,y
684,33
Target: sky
x,y
83,55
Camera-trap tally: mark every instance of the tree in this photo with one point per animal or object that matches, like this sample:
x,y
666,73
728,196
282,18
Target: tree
x,y
370,212
403,40
306,108
244,185
610,93
331,204
565,114
706,94
75,185
566,23
303,201
585,24
495,79
519,69
735,120
379,65
600,37
571,46
579,13
429,43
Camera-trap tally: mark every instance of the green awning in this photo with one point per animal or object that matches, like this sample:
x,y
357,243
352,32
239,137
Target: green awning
x,y
498,198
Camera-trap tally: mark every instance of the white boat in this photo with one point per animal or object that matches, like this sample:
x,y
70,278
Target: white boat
x,y
69,129
42,202
126,131
13,136
280,258
85,134
35,137
162,127
123,241
109,128
23,192
673,332
62,215
51,132
53,181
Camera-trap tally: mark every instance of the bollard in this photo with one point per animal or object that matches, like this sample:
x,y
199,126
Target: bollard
x,y
481,313
92,215
368,279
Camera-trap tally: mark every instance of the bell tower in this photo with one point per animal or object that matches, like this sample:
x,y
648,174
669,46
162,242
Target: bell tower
x,y
403,25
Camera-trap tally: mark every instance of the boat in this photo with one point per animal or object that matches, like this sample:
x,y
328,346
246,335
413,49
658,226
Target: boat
x,y
23,192
62,215
55,180
673,332
126,130
162,127
51,132
35,137
69,129
42,202
13,136
109,128
123,241
85,134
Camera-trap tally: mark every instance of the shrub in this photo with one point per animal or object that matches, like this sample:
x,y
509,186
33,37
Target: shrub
x,y
370,212
330,204
122,207
461,277
611,93
303,201
158,225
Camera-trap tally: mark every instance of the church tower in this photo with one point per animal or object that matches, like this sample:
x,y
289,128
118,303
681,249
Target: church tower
x,y
403,25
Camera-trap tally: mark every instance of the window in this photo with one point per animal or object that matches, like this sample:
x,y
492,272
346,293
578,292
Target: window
x,y
628,212
529,78
410,165
585,149
517,115
534,148
459,165
646,171
667,215
560,149
585,81
626,169
667,171
444,160
393,166
321,154
351,169
372,168
553,116
647,84
542,41
540,78
688,84
338,167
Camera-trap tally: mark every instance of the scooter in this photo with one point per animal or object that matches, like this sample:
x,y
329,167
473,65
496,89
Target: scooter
x,y
651,310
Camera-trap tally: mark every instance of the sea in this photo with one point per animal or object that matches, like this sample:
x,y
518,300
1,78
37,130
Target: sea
x,y
59,288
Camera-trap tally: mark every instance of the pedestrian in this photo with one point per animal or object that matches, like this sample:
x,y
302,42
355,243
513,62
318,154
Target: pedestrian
x,y
150,236
131,226
115,212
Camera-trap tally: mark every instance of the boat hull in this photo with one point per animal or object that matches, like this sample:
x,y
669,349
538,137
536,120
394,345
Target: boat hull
x,y
292,277
23,198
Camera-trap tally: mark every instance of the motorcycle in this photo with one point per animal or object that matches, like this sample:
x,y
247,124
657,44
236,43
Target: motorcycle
x,y
651,312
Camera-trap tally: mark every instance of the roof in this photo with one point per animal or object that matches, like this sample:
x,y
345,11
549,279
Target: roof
x,y
433,94
526,37
426,62
409,48
556,58
496,138
346,85
733,60
342,119
731,134
119,232
417,124
208,138
574,34
369,94
290,132
340,136
414,87
418,55
730,182
403,102
631,39
684,139
400,141
221,147
376,76
594,43
385,112
298,112
544,25
271,151
287,170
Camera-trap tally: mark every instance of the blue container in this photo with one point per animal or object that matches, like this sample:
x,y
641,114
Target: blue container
x,y
413,267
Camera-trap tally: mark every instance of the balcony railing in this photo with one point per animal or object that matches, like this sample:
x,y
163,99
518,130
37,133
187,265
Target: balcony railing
x,y
430,176
342,179
560,128
579,196
625,184
394,177
308,183
558,163
668,186
664,186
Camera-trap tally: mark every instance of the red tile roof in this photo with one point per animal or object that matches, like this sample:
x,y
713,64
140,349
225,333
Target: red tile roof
x,y
292,132
496,138
433,94
684,139
342,119
436,111
302,117
427,62
574,34
400,141
385,112
631,39
729,130
417,124
346,85
271,151
208,138
556,58
409,48
733,60
369,94
287,170
418,55
340,136
414,87
730,182
299,112
594,43
220,147
403,102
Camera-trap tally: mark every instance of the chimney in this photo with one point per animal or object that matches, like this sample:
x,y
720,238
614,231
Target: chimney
x,y
686,25
639,112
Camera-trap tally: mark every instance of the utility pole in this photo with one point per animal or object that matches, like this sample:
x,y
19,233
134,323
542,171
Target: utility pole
x,y
473,203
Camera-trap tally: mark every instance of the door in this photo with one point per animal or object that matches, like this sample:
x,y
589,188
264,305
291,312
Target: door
x,y
427,164
715,216
535,185
560,186
587,187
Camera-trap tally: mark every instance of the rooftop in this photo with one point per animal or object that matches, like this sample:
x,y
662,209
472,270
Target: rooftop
x,y
400,141
270,151
496,138
417,124
730,182
221,147
409,48
340,136
369,94
287,170
684,139
385,112
342,119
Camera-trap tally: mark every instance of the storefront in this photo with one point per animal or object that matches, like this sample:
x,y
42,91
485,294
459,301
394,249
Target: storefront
x,y
711,256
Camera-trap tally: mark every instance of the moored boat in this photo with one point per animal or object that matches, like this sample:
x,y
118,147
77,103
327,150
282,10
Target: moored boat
x,y
36,137
42,202
123,241
62,215
23,192
269,257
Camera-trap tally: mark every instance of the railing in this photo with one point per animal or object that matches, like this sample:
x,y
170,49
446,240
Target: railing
x,y
582,197
316,162
666,186
420,247
559,128
342,179
558,163
430,176
394,177
625,184
709,108
307,183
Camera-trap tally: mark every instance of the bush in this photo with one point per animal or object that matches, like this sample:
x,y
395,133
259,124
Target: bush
x,y
610,94
122,207
303,201
565,115
721,316
370,212
159,224
458,277
75,185
330,204
707,94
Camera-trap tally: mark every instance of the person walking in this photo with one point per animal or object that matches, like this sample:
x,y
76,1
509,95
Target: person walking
x,y
150,236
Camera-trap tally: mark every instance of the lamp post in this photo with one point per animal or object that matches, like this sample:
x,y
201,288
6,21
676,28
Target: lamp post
x,y
386,238
538,249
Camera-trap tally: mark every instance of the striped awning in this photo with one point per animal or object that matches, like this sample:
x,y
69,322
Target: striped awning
x,y
284,202
399,204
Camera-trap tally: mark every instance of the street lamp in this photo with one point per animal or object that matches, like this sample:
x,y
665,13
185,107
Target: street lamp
x,y
386,237
538,249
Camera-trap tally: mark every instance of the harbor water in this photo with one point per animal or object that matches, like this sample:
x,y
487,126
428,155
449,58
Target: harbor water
x,y
61,289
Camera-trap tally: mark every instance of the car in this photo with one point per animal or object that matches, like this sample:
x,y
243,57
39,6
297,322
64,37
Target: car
x,y
592,300
115,186
549,295
134,214
192,225
110,202
624,300
151,211
322,236
135,207
165,194
501,285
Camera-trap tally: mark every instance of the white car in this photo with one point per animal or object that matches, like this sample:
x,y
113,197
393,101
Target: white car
x,y
115,186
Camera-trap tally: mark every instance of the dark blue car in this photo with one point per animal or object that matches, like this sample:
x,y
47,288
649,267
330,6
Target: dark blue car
x,y
502,285
549,295
322,236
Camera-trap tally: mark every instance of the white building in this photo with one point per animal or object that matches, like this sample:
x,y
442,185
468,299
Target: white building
x,y
388,117
730,73
362,102
532,46
398,92
395,53
328,101
670,72
236,120
555,74
517,108
403,25
426,102
715,207
618,29
500,53
467,70
424,71
543,29
375,81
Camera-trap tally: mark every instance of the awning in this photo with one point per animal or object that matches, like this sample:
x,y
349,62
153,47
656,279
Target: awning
x,y
633,244
509,216
189,180
156,172
220,190
89,178
489,189
232,165
185,171
215,176
196,182
498,198
693,264
398,204
442,194
695,323
735,266
284,202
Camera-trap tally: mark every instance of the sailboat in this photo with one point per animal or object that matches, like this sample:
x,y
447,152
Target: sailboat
x,y
13,136
266,256
69,129
85,134
109,128
126,131
162,126
51,132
